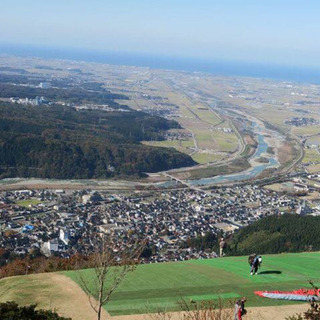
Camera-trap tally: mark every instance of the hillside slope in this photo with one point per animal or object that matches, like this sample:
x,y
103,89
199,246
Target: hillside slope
x,y
163,285
48,291
276,234
60,142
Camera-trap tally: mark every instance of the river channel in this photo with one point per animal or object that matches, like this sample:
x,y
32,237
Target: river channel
x,y
251,173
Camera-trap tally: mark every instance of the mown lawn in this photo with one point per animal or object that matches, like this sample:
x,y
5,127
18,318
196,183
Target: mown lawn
x,y
156,286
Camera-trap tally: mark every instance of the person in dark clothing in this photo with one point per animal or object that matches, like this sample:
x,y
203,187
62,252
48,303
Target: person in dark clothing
x,y
242,302
255,264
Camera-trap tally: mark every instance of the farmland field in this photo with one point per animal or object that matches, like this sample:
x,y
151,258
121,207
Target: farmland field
x,y
206,157
311,155
206,140
162,285
306,131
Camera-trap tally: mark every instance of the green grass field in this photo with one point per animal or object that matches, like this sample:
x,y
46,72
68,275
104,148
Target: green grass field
x,y
206,157
156,286
206,115
27,203
227,142
306,131
311,155
25,290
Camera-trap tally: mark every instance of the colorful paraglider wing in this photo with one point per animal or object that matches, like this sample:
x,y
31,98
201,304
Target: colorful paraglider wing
x,y
297,295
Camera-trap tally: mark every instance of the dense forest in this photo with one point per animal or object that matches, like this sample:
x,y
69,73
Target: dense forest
x,y
61,142
208,241
276,234
273,234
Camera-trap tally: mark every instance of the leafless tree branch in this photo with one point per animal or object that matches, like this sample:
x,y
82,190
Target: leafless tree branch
x,y
110,268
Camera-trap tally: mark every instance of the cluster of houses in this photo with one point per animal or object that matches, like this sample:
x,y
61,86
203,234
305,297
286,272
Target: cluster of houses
x,y
301,121
37,101
65,222
104,107
225,130
173,135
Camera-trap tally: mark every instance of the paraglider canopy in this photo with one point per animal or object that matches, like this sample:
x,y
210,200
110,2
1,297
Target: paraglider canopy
x,y
295,295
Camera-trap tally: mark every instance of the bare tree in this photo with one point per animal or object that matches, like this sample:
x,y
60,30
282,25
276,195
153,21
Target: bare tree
x,y
201,310
206,310
110,267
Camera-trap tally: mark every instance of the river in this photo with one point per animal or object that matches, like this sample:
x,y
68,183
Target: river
x,y
251,173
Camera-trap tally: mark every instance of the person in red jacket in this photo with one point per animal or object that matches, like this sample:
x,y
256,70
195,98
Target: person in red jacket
x,y
238,311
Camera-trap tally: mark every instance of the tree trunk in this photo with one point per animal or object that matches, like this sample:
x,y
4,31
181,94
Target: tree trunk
x,y
100,301
99,312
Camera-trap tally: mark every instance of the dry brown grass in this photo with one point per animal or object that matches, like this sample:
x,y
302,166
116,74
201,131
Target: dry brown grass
x,y
49,291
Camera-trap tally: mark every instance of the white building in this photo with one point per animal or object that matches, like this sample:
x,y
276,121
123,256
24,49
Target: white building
x,y
64,236
50,246
45,85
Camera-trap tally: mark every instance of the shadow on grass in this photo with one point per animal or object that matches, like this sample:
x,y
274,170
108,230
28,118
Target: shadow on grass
x,y
271,272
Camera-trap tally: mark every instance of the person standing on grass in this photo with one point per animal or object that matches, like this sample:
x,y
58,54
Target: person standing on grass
x,y
243,309
238,311
256,264
222,245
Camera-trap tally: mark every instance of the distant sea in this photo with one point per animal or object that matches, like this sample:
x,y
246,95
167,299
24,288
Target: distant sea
x,y
228,68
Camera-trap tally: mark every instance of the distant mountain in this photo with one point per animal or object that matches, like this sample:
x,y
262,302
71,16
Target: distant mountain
x,y
276,234
61,142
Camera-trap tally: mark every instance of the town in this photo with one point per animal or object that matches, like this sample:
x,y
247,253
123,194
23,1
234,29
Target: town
x,y
65,222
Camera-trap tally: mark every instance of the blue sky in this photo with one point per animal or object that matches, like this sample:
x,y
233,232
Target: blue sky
x,y
267,31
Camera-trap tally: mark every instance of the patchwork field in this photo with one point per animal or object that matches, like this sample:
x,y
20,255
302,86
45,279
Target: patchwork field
x,y
207,141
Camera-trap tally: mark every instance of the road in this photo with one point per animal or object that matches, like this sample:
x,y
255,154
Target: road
x,y
183,182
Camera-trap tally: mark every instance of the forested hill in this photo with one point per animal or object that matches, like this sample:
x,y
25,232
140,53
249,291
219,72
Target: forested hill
x,y
60,142
276,234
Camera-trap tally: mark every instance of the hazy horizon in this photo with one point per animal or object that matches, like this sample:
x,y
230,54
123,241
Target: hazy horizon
x,y
153,61
265,32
